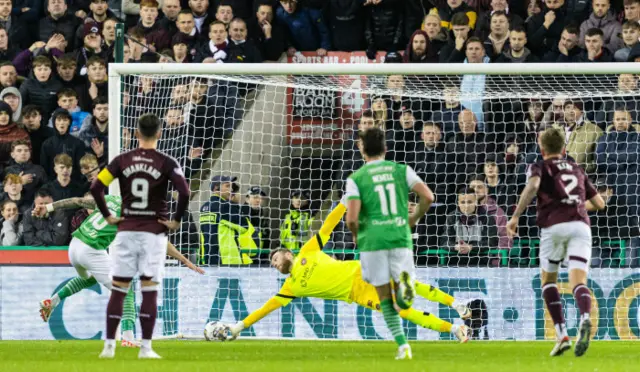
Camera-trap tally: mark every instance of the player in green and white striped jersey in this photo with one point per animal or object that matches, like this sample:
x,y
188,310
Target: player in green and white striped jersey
x,y
88,255
378,217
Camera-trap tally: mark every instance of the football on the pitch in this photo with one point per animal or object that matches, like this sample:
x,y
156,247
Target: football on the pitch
x,y
216,331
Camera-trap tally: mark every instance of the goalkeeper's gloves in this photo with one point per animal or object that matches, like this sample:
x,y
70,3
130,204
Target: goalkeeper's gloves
x,y
235,330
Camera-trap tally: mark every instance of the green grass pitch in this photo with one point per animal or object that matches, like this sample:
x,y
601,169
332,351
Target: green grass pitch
x,y
309,356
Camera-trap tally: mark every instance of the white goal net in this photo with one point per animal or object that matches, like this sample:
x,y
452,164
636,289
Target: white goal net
x,y
267,148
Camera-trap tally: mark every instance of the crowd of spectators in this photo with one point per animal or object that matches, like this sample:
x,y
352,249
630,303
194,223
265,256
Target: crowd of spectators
x,y
473,153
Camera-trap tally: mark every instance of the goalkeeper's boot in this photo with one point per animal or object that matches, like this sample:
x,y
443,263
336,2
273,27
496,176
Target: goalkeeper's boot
x,y
404,352
462,309
584,335
46,308
148,353
406,291
130,343
109,352
462,333
561,346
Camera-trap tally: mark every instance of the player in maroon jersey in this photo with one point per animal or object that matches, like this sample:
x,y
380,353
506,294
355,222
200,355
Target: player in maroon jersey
x,y
564,195
141,240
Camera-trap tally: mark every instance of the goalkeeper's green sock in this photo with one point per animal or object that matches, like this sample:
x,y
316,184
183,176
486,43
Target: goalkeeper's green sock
x,y
392,319
426,320
127,324
72,287
433,294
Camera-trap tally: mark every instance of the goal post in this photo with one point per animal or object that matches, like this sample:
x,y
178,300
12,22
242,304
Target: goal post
x,y
286,133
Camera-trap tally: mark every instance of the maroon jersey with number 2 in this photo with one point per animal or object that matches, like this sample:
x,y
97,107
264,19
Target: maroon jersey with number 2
x,y
564,189
144,177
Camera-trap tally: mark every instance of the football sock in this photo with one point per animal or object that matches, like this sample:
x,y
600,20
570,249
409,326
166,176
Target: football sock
x,y
551,297
392,319
583,300
426,320
128,315
74,286
114,311
433,294
148,313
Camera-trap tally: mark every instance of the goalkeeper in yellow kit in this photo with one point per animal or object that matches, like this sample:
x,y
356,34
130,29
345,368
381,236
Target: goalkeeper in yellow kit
x,y
316,274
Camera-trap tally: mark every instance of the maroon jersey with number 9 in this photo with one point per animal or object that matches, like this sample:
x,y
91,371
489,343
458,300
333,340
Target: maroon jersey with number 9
x,y
564,189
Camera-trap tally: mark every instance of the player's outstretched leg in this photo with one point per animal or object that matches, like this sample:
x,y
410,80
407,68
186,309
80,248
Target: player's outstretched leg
x,y
430,321
72,287
434,294
148,314
114,315
552,299
582,296
129,320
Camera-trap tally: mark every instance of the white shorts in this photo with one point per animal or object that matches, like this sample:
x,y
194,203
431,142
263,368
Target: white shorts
x,y
90,262
138,253
569,240
380,267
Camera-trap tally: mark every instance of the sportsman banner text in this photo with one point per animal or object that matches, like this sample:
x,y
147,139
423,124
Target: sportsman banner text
x,y
189,300
322,116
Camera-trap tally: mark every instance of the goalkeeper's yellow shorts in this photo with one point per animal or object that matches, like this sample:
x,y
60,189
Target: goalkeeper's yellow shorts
x,y
365,294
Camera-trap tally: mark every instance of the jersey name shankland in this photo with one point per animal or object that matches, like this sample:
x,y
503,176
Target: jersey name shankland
x,y
564,189
144,177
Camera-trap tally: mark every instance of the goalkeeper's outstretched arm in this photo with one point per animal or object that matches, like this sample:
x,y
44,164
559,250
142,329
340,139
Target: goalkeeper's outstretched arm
x,y
270,306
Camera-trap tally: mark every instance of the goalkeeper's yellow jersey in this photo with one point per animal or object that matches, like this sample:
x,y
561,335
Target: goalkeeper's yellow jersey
x,y
316,274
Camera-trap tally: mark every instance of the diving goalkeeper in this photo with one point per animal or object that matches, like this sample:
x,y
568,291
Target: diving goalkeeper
x,y
313,273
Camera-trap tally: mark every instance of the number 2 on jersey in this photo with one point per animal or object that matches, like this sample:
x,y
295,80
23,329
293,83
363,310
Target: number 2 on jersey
x,y
389,203
570,182
140,189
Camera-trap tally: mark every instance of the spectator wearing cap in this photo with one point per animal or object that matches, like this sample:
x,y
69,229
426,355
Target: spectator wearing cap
x,y
259,217
13,97
483,26
62,142
452,8
454,51
8,75
216,50
346,20
418,49
91,46
295,229
41,88
595,50
9,132
601,18
617,154
157,38
266,33
58,20
307,28
581,135
98,15
517,51
221,223
17,32
384,27
240,49
38,133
